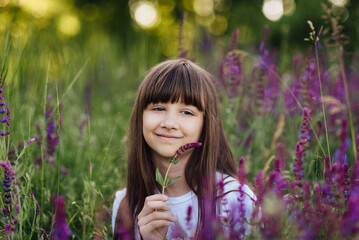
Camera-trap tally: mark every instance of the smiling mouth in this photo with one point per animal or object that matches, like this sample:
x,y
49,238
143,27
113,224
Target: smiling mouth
x,y
167,136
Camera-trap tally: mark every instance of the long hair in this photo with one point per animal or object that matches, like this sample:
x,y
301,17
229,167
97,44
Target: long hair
x,y
172,81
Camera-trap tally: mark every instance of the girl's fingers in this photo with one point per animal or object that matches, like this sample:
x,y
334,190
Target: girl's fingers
x,y
155,217
154,203
149,228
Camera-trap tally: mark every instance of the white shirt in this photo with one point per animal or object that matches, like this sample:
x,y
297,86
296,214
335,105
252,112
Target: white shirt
x,y
179,207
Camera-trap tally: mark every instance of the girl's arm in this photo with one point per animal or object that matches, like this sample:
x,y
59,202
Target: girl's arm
x,y
153,220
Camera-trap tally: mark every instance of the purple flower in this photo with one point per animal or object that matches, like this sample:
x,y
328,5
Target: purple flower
x,y
52,135
183,149
350,219
231,68
28,142
59,229
9,177
44,234
7,229
4,113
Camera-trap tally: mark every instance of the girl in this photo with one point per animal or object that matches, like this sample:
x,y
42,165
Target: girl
x,y
177,104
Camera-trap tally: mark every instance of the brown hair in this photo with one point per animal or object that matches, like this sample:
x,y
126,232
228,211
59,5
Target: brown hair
x,y
171,81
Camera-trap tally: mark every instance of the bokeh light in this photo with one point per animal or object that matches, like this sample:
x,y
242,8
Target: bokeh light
x,y
288,7
69,24
203,8
339,3
273,9
145,14
38,8
3,3
219,25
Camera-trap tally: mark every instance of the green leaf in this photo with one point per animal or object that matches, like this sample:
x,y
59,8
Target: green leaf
x,y
174,180
159,177
176,161
167,180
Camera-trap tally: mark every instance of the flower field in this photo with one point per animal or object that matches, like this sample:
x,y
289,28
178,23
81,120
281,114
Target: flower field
x,y
65,107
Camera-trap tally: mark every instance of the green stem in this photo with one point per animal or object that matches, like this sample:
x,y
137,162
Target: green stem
x,y
350,117
164,181
321,95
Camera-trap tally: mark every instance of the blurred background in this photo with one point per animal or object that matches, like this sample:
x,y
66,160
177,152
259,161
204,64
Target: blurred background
x,y
86,58
158,20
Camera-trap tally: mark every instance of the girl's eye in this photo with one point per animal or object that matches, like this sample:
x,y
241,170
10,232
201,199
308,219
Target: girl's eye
x,y
187,113
159,109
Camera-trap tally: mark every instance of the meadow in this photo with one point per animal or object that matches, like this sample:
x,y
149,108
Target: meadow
x,y
292,125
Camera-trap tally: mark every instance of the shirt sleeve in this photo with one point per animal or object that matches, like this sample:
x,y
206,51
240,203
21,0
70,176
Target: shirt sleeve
x,y
118,199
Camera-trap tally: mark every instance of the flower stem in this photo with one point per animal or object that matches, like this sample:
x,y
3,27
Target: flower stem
x,y
350,117
321,94
164,185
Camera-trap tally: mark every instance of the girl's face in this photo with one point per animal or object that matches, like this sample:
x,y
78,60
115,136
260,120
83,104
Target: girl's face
x,y
168,126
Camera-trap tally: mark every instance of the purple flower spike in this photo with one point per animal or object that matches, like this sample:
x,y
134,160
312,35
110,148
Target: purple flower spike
x,y
9,177
44,234
59,229
28,142
4,113
183,149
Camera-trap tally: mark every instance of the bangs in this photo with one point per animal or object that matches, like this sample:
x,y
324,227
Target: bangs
x,y
173,84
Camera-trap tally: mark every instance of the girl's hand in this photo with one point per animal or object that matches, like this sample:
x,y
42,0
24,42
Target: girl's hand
x,y
153,220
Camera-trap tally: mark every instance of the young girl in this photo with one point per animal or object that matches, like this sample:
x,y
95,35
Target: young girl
x,y
177,104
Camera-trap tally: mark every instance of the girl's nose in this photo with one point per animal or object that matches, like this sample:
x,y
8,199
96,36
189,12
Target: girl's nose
x,y
169,122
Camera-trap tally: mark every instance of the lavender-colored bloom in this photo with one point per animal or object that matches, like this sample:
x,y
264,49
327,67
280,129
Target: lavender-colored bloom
x,y
28,142
52,138
17,209
59,229
350,219
37,208
231,68
9,177
44,234
237,220
183,149
7,229
340,154
4,113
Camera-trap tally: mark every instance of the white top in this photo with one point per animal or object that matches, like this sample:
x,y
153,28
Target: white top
x,y
182,228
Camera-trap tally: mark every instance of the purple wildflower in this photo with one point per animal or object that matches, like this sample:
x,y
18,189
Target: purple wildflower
x,y
300,152
52,137
44,234
64,171
7,229
28,142
350,219
340,154
231,68
59,228
4,113
328,181
183,149
9,177
37,208
237,223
